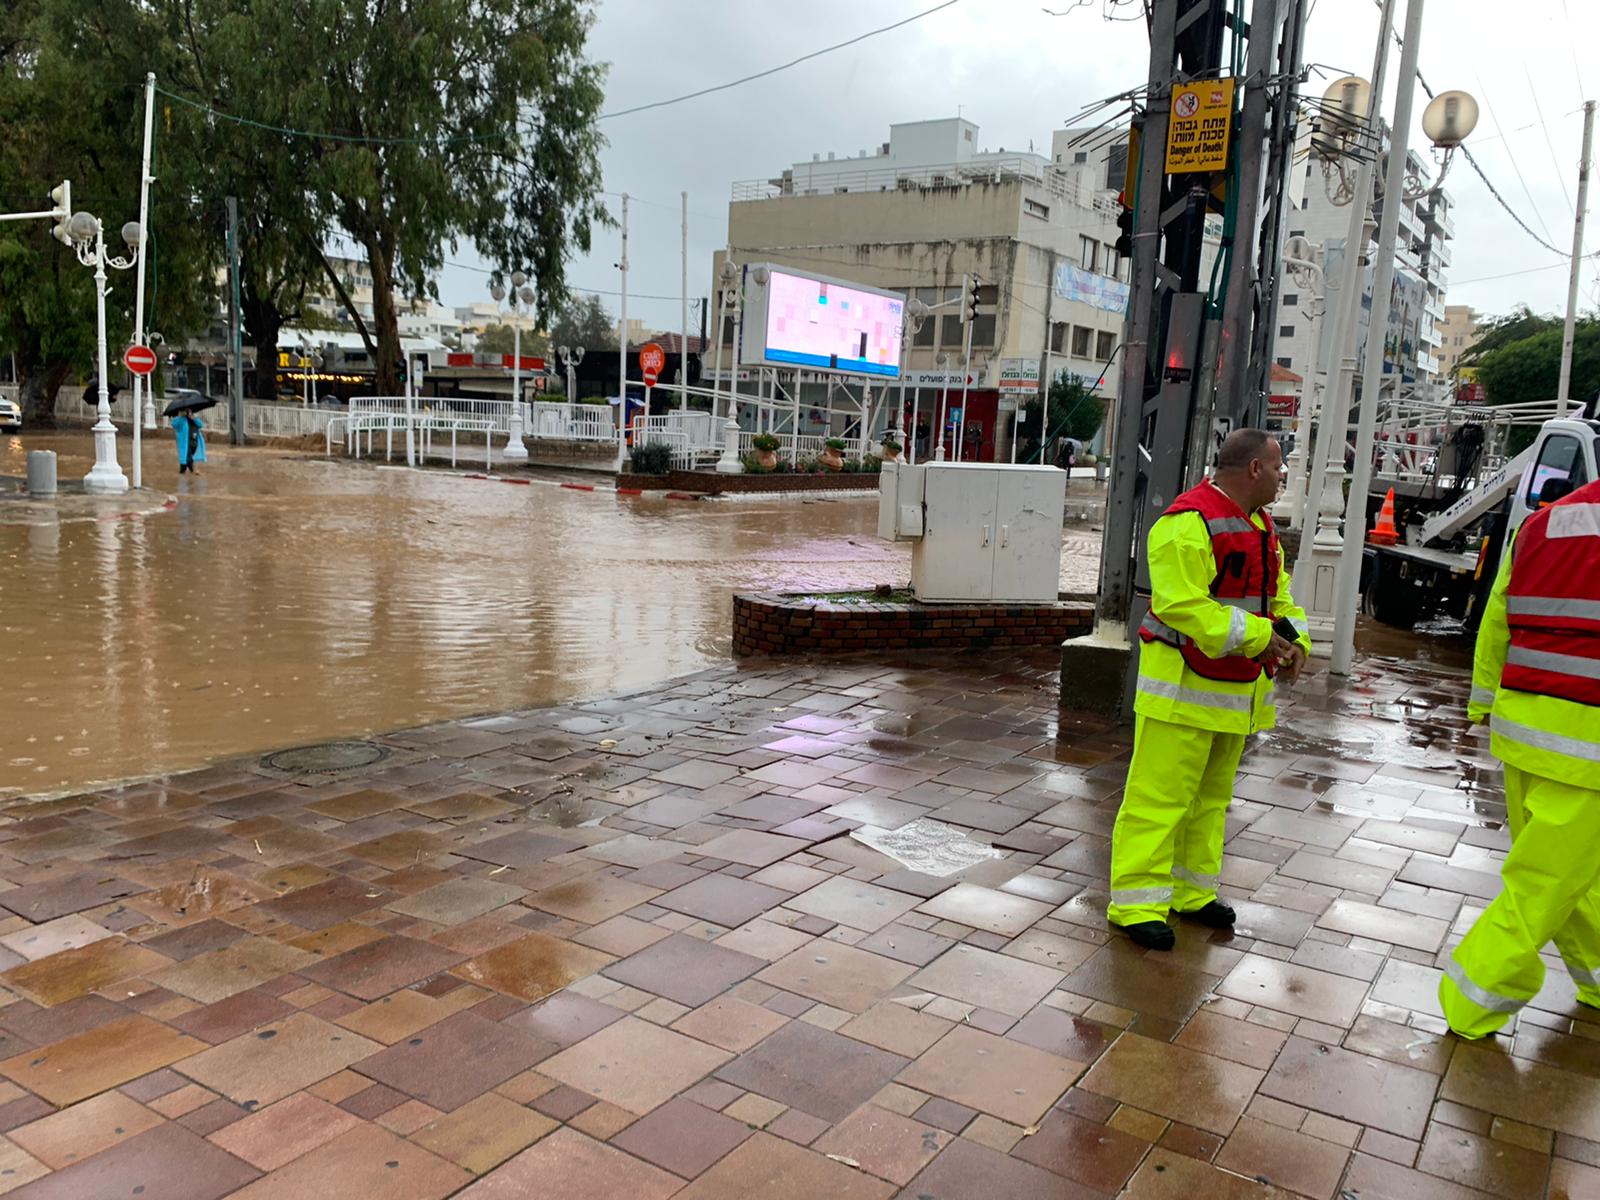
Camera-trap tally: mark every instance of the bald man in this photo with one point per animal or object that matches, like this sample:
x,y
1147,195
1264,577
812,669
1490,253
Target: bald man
x,y
1221,625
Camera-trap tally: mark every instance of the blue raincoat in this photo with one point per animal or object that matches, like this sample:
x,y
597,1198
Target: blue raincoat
x,y
191,438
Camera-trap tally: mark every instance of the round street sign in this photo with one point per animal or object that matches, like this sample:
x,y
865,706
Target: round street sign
x,y
141,360
651,359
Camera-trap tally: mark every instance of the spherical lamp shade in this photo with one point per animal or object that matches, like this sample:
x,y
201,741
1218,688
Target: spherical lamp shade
x,y
1346,100
526,295
497,292
132,234
518,278
81,227
1449,119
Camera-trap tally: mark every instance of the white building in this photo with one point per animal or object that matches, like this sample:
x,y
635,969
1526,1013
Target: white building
x,y
1412,339
920,213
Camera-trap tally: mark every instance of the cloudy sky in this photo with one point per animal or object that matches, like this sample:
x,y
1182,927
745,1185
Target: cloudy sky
x,y
1021,73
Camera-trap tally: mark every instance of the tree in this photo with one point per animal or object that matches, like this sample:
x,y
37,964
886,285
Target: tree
x,y
437,121
502,339
1521,322
1075,412
71,104
1529,369
585,322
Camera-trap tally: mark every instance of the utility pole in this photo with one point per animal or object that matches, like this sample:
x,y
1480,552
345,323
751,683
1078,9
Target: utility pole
x,y
683,357
622,346
235,338
143,385
1564,384
1394,178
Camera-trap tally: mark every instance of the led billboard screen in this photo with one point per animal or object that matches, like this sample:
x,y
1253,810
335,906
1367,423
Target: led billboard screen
x,y
810,321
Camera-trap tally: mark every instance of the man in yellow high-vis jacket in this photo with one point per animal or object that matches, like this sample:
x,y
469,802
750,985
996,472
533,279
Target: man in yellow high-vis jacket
x,y
1536,677
1221,620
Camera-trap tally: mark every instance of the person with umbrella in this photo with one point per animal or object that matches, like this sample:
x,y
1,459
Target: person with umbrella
x,y
185,414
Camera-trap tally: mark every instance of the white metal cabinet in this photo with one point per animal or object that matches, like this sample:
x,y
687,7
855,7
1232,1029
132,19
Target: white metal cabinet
x,y
980,531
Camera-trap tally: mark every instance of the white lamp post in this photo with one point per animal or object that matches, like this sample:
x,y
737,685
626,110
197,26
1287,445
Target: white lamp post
x,y
729,299
1304,261
515,449
106,476
571,356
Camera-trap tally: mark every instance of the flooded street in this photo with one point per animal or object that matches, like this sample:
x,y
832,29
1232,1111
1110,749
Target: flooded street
x,y
285,599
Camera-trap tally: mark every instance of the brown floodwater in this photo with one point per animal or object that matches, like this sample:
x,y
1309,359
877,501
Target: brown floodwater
x,y
285,599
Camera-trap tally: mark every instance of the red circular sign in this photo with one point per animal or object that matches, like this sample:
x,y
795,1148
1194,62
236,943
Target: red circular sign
x,y
141,360
651,359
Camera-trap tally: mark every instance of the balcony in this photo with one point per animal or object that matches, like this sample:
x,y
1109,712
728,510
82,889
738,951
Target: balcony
x,y
947,178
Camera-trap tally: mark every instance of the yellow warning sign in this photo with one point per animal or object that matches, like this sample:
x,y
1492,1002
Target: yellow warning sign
x,y
1197,139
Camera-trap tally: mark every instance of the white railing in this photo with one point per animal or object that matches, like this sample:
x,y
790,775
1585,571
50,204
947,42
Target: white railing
x,y
794,448
563,421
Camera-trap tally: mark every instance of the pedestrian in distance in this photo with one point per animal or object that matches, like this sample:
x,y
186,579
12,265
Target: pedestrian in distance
x,y
190,431
1536,679
1221,631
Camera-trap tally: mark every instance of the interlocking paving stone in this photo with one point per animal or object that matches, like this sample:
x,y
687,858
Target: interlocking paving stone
x,y
455,1061
1352,1086
168,1161
819,1072
634,1064
684,969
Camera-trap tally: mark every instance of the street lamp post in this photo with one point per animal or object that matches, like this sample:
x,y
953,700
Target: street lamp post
x,y
1304,261
84,228
515,448
916,313
730,299
571,356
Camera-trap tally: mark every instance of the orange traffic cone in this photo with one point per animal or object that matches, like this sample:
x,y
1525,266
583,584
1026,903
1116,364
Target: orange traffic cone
x,y
1384,533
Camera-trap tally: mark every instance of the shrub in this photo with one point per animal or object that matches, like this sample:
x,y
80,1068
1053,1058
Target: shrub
x,y
806,466
852,466
872,465
652,458
766,441
891,445
752,466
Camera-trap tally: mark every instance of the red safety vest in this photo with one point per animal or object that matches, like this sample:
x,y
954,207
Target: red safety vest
x,y
1553,601
1247,579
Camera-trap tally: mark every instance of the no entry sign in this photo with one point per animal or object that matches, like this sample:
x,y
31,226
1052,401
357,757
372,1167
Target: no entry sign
x,y
141,360
651,359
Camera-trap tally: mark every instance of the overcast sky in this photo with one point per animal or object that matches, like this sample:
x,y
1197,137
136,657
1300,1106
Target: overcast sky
x,y
1020,74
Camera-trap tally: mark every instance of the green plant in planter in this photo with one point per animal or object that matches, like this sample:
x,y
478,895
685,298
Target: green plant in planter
x,y
852,466
835,444
652,458
752,465
892,446
872,465
806,466
767,442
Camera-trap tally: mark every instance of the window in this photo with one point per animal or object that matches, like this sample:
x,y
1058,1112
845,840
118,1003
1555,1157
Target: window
x,y
1291,300
1105,345
1058,335
1116,167
950,322
988,293
1561,459
727,330
1089,253
1285,330
1082,156
1285,361
928,335
1080,341
1034,209
983,328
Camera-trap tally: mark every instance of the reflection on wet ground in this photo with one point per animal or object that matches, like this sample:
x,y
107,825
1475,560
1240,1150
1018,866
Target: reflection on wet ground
x,y
286,599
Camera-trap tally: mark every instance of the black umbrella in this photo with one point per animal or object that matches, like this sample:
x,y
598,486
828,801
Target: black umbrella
x,y
189,403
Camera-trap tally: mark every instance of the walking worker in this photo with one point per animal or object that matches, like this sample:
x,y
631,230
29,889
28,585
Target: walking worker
x,y
191,439
1221,625
1536,677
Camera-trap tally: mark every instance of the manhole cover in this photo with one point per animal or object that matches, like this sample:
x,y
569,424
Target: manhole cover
x,y
327,758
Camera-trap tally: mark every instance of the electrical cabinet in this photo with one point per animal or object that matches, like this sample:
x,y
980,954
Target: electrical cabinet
x,y
980,531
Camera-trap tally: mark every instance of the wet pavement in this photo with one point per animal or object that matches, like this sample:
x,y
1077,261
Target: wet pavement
x,y
627,947
283,599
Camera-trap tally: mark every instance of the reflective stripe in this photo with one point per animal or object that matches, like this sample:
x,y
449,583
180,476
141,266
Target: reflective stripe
x,y
1161,631
1552,606
1233,702
1250,604
1482,695
1301,625
1482,997
1232,525
1157,895
1199,881
1573,520
1238,630
1584,976
1549,660
1540,739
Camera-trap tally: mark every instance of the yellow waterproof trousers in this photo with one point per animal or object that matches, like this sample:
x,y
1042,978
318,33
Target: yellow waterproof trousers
x,y
1166,847
1551,891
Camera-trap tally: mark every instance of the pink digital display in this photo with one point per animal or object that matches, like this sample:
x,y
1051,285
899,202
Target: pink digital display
x,y
814,323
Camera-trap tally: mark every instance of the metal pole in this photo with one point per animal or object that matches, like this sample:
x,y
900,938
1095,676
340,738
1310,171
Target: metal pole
x,y
944,404
142,385
683,357
1564,383
235,337
1322,512
1355,519
1122,498
622,346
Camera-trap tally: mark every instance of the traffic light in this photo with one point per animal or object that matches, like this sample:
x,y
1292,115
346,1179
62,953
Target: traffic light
x,y
969,300
61,200
1124,244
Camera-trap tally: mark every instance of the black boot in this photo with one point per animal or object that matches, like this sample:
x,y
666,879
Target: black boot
x,y
1152,935
1216,914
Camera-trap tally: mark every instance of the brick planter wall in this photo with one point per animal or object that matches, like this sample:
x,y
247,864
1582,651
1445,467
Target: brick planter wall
x,y
713,484
777,623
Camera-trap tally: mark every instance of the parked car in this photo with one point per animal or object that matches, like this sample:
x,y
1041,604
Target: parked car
x,y
10,414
